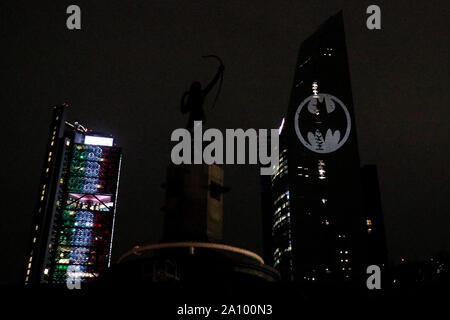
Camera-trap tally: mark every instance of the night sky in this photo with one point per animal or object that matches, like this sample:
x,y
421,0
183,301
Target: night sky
x,y
125,71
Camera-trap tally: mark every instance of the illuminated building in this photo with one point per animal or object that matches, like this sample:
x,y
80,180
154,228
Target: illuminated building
x,y
315,226
73,222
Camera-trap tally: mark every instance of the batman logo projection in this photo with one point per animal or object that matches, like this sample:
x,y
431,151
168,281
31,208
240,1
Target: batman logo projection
x,y
322,123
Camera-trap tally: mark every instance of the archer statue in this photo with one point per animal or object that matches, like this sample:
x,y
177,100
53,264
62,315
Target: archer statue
x,y
192,101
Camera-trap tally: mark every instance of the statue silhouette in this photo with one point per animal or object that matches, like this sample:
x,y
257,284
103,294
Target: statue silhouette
x,y
192,101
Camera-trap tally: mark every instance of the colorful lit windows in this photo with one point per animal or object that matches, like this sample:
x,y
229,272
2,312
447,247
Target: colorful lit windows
x,y
86,213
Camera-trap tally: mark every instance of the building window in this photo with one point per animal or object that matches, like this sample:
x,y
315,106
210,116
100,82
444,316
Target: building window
x,y
321,169
315,89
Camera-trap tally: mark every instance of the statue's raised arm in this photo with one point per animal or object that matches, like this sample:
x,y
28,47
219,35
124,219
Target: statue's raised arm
x,y
192,100
213,82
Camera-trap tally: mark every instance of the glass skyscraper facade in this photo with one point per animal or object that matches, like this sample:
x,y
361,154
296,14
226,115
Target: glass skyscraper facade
x,y
318,228
73,223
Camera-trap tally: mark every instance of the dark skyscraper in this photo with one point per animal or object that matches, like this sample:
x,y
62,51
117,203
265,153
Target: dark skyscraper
x,y
73,221
376,237
318,230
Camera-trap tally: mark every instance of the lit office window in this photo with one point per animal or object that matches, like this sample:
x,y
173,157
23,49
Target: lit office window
x,y
321,169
